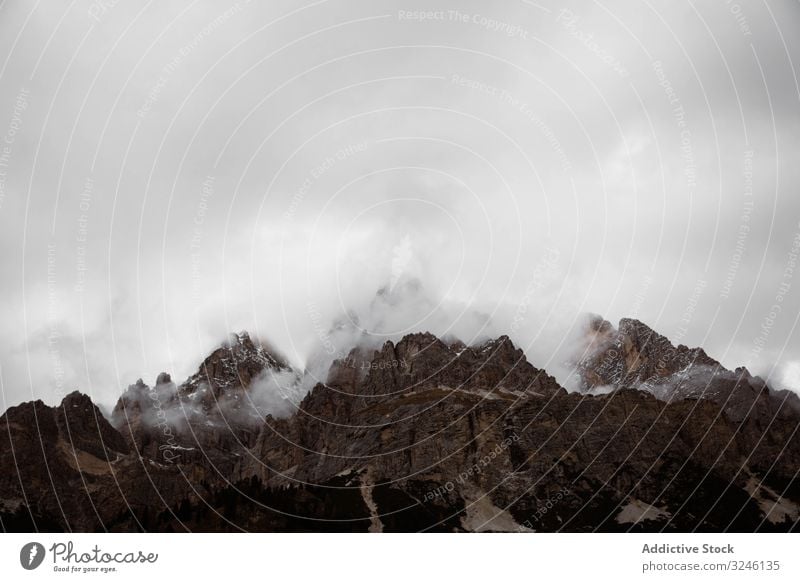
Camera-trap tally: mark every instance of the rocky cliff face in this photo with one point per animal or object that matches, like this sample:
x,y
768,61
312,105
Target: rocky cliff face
x,y
215,413
633,356
422,435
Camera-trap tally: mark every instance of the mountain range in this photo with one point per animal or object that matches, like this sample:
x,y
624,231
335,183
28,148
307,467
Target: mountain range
x,y
424,434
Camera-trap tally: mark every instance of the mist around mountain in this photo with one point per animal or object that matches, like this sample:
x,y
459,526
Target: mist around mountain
x,y
421,434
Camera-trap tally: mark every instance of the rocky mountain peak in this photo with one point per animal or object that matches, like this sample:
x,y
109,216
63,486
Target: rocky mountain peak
x,y
84,427
595,323
163,378
79,400
235,363
634,356
33,416
631,355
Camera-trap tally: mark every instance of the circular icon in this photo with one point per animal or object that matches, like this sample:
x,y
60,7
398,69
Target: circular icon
x,y
31,555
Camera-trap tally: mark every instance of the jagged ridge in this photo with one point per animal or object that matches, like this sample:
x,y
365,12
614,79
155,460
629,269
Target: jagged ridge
x,y
418,435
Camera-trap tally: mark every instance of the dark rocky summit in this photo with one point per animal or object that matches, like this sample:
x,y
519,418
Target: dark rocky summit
x,y
422,435
635,356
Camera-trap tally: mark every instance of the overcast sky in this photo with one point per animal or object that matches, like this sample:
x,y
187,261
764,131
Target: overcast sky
x,y
173,171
